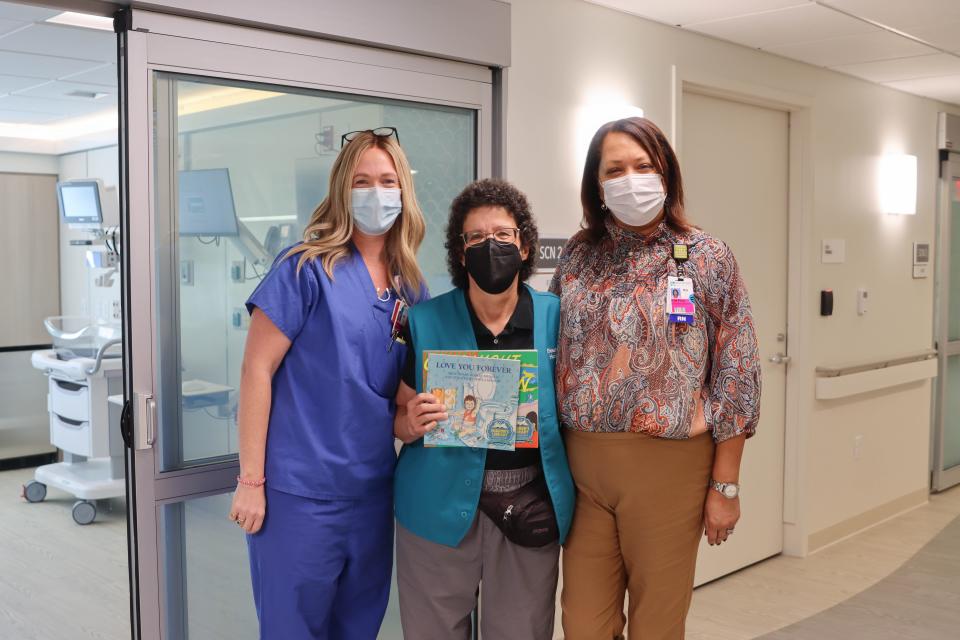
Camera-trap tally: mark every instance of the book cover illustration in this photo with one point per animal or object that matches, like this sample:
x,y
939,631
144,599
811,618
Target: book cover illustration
x,y
528,411
481,396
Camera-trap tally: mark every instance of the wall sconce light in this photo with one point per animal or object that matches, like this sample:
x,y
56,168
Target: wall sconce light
x,y
898,184
600,109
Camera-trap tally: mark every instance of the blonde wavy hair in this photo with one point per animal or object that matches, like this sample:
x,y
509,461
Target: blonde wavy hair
x,y
327,236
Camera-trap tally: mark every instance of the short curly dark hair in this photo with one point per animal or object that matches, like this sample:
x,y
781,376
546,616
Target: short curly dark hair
x,y
490,192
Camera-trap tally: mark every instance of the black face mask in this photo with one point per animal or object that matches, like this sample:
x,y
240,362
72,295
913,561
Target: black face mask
x,y
492,265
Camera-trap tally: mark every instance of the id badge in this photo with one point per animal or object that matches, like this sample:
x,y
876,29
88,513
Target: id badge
x,y
398,319
398,322
681,308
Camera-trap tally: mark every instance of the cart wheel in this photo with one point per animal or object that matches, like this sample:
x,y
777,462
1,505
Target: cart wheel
x,y
34,491
84,512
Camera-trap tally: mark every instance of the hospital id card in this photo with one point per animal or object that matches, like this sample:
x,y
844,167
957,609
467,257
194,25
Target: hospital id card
x,y
681,307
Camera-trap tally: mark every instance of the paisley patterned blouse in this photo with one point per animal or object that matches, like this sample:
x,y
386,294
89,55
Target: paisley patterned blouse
x,y
621,366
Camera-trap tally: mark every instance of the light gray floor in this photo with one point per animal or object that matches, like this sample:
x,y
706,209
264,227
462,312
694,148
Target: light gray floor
x,y
919,601
59,580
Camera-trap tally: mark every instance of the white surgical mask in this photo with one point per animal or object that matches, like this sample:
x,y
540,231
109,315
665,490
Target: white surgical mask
x,y
636,198
375,209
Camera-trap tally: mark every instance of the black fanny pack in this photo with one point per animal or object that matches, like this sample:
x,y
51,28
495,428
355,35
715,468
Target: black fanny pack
x,y
524,515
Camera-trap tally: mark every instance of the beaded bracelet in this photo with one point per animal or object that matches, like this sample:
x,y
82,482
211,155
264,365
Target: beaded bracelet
x,y
251,483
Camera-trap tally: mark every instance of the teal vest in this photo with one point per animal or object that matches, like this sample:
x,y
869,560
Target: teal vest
x,y
437,490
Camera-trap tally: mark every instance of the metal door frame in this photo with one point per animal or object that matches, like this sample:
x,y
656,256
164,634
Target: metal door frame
x,y
151,43
949,170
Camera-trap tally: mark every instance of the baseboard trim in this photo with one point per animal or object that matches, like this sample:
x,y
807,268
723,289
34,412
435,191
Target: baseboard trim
x,y
867,519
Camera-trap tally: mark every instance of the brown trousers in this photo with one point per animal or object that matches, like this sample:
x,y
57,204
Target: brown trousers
x,y
636,530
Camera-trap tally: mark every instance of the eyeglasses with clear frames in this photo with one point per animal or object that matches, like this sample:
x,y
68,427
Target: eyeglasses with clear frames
x,y
503,235
380,132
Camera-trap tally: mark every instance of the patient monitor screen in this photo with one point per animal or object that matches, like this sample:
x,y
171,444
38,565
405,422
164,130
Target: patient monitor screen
x,y
206,203
80,202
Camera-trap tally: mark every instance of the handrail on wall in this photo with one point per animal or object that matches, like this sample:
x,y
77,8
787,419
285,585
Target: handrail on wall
x,y
845,370
851,380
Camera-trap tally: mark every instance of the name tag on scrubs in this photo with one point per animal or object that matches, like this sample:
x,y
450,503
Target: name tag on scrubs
x,y
680,306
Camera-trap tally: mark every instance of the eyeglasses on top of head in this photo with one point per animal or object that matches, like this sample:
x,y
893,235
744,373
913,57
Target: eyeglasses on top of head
x,y
380,132
503,235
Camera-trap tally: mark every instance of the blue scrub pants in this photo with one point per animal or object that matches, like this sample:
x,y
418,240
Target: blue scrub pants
x,y
321,568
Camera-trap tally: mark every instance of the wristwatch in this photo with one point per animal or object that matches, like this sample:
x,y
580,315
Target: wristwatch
x,y
728,490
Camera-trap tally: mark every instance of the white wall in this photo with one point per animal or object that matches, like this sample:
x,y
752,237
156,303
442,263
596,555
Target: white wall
x,y
568,54
28,163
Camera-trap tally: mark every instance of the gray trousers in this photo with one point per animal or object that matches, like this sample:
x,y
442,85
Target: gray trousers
x,y
438,586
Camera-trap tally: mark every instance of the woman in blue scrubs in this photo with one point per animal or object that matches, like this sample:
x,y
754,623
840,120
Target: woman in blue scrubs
x,y
319,378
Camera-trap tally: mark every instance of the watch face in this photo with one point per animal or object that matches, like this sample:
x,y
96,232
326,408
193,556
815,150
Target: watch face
x,y
730,491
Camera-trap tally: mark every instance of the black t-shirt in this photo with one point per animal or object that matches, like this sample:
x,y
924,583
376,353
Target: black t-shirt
x,y
517,334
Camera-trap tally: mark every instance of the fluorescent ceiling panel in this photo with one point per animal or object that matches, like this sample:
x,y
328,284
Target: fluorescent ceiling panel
x,y
16,83
6,26
104,75
939,64
901,14
47,67
870,47
25,13
946,88
786,26
26,117
683,12
62,91
83,20
63,42
62,108
945,35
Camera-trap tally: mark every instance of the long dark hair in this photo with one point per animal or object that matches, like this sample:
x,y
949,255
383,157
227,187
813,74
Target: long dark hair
x,y
651,138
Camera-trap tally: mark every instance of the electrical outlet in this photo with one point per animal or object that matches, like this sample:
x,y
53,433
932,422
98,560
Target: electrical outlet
x,y
240,319
237,270
186,273
857,447
116,310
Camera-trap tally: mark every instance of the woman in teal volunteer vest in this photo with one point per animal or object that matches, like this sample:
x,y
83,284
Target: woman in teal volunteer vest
x,y
466,513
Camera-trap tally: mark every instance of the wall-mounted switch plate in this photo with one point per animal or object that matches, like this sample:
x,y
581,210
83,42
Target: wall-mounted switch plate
x,y
833,251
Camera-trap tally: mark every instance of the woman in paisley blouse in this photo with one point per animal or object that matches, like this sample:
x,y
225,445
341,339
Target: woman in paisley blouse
x,y
656,408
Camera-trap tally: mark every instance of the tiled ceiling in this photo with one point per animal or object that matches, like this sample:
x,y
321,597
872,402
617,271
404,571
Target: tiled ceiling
x,y
49,72
911,45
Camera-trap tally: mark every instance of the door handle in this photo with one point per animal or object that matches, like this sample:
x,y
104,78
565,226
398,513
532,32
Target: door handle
x,y
780,359
145,422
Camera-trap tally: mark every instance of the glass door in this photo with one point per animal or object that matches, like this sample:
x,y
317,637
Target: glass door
x,y
946,462
228,152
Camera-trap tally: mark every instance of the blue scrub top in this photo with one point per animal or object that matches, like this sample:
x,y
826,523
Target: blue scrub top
x,y
331,417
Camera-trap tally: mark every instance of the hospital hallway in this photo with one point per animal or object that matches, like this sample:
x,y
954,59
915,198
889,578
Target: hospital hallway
x,y
737,221
896,581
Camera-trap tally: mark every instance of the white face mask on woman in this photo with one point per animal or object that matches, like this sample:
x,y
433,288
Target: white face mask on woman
x,y
636,198
375,209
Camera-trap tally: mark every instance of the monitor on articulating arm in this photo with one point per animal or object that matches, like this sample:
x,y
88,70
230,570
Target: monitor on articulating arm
x,y
207,210
206,203
81,203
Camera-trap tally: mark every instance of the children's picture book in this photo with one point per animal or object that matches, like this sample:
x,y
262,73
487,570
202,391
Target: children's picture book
x,y
481,396
464,414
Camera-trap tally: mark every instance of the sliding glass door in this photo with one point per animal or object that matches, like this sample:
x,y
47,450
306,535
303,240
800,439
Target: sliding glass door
x,y
946,463
230,135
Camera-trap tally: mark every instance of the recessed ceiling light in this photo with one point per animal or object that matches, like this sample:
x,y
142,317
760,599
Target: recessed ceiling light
x,y
84,20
